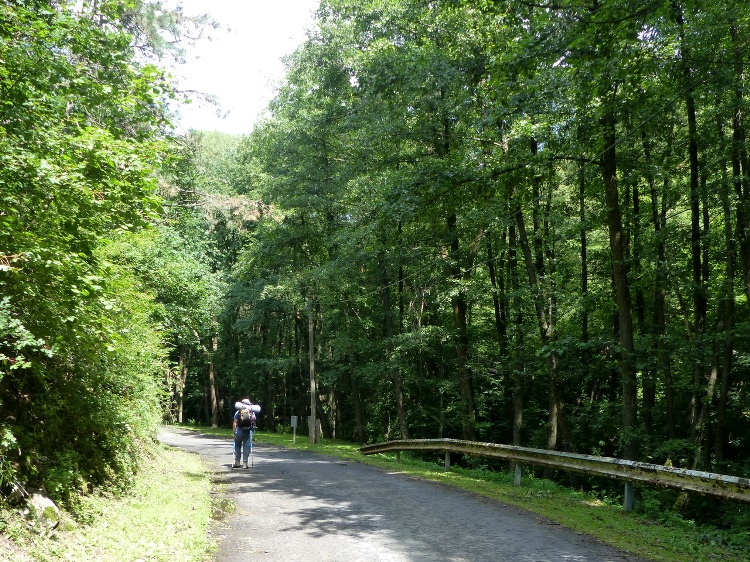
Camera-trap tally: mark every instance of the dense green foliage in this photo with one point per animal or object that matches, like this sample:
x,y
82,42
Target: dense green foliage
x,y
82,129
515,223
501,221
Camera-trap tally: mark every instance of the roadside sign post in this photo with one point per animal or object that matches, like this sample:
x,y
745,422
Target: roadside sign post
x,y
294,429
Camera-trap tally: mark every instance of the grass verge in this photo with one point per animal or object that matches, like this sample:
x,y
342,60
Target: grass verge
x,y
669,539
164,516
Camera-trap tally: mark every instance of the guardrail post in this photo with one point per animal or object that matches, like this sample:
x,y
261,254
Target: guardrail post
x,y
447,460
628,503
398,457
518,474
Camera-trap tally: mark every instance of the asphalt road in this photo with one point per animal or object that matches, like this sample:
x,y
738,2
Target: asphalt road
x,y
298,506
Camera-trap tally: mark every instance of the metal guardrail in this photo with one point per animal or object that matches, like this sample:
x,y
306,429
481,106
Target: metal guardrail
x,y
709,483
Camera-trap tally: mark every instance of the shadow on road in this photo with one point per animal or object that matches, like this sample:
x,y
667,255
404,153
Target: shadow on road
x,y
361,512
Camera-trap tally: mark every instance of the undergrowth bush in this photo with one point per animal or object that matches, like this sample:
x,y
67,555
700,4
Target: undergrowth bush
x,y
88,407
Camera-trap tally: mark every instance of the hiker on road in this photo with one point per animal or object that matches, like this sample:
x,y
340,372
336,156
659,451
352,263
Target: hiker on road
x,y
243,426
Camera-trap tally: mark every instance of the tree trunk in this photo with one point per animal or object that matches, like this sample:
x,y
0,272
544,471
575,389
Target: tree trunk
x,y
658,323
536,197
499,301
548,334
458,302
401,308
517,363
700,430
648,378
181,379
334,413
498,293
359,417
618,251
740,166
726,370
394,372
659,220
728,302
269,409
700,303
212,382
301,379
584,270
313,425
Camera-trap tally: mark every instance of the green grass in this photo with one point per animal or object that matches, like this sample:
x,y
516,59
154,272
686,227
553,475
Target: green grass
x,y
165,516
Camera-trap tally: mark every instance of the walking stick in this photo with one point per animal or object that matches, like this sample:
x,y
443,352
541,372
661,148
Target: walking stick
x,y
251,447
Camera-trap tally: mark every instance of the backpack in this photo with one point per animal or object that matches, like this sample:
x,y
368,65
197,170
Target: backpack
x,y
246,418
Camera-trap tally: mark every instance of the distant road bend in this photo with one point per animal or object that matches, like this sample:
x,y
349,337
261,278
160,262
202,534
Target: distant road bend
x,y
298,506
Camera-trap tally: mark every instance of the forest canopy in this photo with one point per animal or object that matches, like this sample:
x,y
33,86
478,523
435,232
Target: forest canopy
x,y
517,223
514,222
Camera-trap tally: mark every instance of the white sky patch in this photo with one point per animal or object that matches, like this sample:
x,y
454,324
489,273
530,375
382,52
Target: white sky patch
x,y
241,66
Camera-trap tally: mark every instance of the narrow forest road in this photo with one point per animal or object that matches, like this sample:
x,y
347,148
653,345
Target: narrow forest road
x,y
298,506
